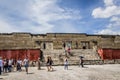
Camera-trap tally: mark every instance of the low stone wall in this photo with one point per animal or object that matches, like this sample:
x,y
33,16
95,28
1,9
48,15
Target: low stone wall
x,y
117,61
109,61
75,62
91,62
99,62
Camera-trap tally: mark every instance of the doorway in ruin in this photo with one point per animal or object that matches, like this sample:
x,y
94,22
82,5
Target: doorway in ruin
x,y
68,44
76,45
85,44
44,45
47,45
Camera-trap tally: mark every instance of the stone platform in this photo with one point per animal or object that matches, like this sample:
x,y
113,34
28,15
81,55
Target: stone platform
x,y
89,72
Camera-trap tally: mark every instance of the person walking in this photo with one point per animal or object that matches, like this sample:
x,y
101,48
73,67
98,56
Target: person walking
x,y
26,64
49,63
66,64
81,61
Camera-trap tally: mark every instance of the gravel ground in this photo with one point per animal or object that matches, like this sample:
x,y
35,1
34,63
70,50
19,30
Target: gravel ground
x,y
89,72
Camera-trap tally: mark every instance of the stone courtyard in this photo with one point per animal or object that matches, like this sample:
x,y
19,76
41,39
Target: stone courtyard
x,y
89,72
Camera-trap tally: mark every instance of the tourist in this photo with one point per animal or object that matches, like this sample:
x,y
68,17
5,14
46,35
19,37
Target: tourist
x,y
14,63
20,62
26,64
66,64
1,65
81,61
10,65
5,65
49,63
69,50
39,66
19,65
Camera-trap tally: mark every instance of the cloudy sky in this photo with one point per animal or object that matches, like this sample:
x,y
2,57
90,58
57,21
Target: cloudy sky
x,y
60,16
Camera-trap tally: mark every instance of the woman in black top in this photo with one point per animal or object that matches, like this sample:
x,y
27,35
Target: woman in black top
x,y
49,63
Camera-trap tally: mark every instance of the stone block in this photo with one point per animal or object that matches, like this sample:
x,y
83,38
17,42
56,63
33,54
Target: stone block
x,y
109,61
117,61
93,62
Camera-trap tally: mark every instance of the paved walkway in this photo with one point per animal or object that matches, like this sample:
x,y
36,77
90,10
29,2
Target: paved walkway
x,y
90,72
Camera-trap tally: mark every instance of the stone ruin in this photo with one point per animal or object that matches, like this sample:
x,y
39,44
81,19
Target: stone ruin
x,y
55,44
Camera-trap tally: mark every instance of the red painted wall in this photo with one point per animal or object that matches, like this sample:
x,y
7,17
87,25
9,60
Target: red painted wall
x,y
100,52
109,53
32,54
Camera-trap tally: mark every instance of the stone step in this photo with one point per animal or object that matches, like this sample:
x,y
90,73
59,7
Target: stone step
x,y
89,54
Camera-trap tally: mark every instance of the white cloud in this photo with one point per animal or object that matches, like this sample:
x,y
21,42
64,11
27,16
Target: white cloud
x,y
36,16
46,11
108,31
112,12
109,11
108,2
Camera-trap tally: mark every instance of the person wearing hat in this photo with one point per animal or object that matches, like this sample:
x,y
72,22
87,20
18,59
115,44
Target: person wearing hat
x,y
1,65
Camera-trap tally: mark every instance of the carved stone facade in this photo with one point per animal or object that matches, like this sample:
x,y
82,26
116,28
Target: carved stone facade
x,y
51,41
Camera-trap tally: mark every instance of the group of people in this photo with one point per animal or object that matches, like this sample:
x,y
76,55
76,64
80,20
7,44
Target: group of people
x,y
66,63
80,63
9,65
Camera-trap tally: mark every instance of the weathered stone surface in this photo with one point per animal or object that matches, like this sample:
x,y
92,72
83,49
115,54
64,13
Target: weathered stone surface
x,y
58,56
93,62
57,39
109,61
117,61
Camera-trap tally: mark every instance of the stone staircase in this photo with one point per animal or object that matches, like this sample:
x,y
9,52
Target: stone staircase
x,y
58,56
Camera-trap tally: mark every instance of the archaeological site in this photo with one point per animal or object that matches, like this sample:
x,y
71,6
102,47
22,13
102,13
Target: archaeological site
x,y
96,49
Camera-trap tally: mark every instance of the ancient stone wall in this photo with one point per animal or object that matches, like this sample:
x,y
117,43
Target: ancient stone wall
x,y
16,41
56,41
